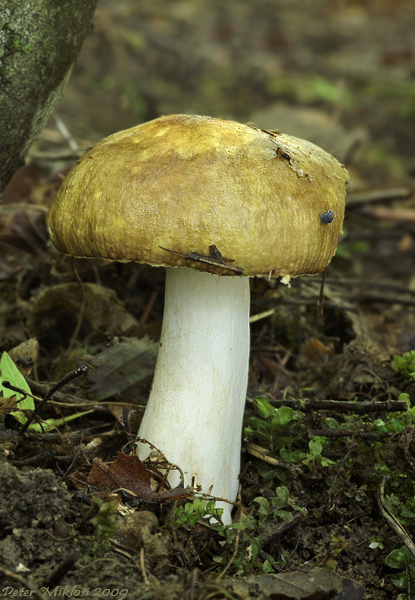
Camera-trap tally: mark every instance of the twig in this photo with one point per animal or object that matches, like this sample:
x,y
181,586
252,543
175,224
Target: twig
x,y
327,304
321,295
148,308
392,520
58,155
9,386
238,535
61,570
143,567
371,298
343,406
263,315
387,285
66,134
357,199
67,379
55,436
341,433
262,454
215,258
41,389
81,311
388,214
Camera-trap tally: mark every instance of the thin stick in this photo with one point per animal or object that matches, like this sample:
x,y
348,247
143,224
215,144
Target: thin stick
x,y
343,406
143,567
149,307
374,298
353,200
341,433
392,520
40,389
81,312
320,311
238,535
383,285
263,315
9,386
61,570
262,454
388,214
66,134
67,379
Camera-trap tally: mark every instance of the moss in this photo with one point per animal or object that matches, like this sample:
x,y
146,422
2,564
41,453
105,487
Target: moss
x,y
17,46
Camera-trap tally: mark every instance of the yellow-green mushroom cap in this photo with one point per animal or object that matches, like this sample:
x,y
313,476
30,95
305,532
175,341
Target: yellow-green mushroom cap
x,y
267,201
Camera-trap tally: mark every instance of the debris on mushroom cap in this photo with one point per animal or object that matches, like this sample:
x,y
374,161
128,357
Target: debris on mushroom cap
x,y
165,192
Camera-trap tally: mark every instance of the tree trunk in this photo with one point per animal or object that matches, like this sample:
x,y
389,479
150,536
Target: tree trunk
x,y
39,43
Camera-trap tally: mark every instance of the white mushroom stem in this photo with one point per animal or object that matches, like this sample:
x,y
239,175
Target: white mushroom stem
x,y
195,410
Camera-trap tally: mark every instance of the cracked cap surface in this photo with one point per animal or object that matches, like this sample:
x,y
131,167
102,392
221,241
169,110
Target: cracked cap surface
x,y
186,183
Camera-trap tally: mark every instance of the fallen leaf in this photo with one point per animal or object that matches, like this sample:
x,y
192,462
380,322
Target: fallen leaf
x,y
121,368
25,355
130,473
23,227
102,309
317,584
7,405
314,351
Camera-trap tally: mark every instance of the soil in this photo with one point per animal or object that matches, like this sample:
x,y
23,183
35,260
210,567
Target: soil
x,y
339,74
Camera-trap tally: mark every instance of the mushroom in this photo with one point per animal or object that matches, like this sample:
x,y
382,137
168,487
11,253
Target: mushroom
x,y
216,202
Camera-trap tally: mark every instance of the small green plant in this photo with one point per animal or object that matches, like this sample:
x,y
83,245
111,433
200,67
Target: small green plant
x,y
270,511
9,372
105,525
404,510
272,428
278,507
188,515
403,560
396,421
268,426
376,542
405,364
313,456
232,536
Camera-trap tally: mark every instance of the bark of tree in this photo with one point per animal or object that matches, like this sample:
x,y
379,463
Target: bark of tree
x,y
39,43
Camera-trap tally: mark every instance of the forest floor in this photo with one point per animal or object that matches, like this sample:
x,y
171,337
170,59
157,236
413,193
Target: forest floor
x,y
327,502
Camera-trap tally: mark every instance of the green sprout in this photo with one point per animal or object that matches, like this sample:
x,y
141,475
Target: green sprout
x,y
405,364
403,560
188,515
105,525
278,508
24,401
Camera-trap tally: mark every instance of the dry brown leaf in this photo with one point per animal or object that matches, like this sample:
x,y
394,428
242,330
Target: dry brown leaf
x,y
125,368
314,351
317,584
129,473
7,405
25,355
102,309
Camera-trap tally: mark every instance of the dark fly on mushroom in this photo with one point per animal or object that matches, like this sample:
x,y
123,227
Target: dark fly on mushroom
x,y
326,217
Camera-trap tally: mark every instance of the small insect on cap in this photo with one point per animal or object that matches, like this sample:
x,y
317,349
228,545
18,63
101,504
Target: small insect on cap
x,y
174,187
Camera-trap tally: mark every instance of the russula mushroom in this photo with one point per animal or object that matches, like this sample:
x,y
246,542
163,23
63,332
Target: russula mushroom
x,y
216,202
